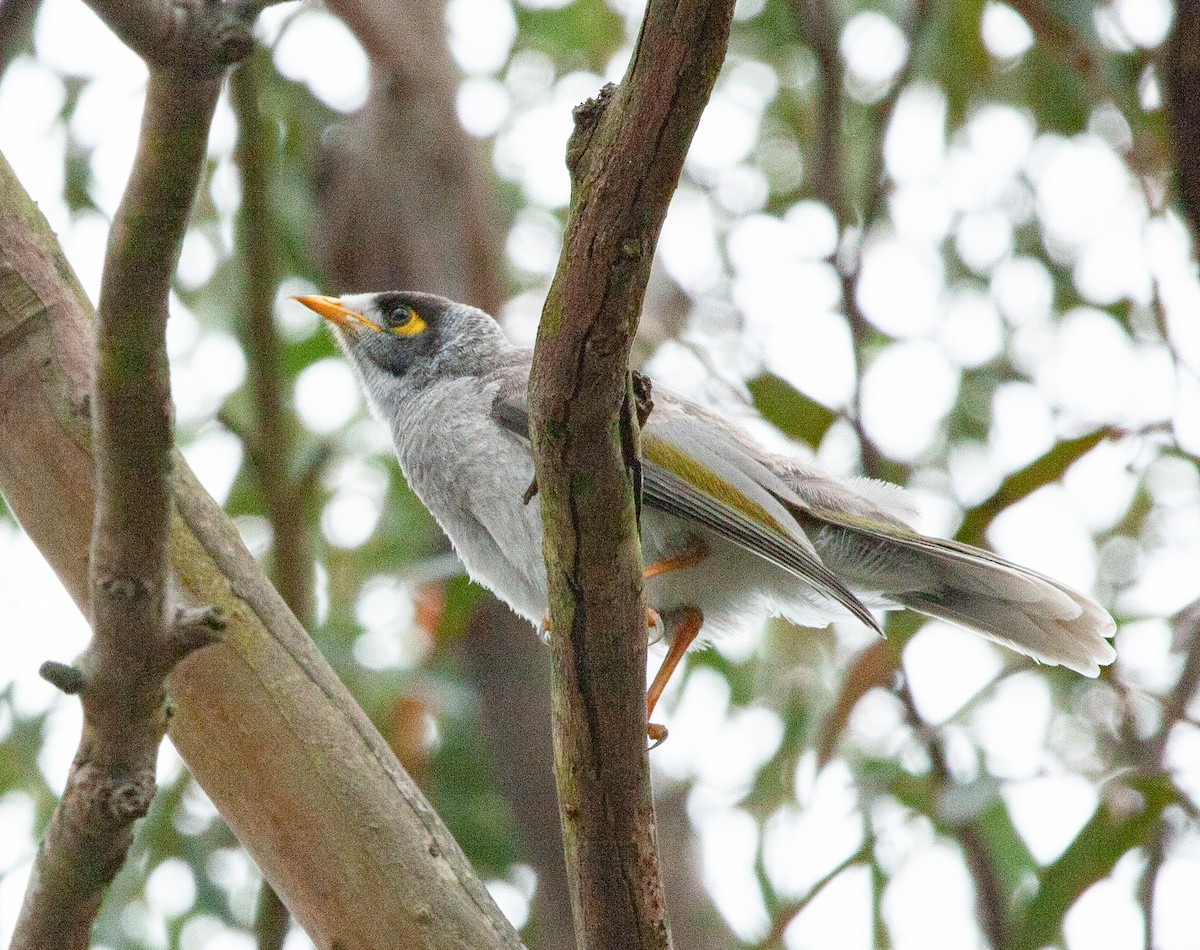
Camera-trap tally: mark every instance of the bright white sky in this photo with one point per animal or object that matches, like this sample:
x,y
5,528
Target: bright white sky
x,y
973,189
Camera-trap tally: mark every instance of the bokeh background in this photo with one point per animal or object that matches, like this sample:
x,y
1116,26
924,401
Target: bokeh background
x,y
930,241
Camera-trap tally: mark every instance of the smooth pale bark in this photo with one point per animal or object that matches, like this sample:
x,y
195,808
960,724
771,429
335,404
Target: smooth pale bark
x,y
292,763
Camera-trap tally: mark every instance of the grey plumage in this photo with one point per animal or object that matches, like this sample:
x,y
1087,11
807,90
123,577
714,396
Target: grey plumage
x,y
794,541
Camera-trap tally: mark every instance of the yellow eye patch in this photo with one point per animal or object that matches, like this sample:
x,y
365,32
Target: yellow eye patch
x,y
405,322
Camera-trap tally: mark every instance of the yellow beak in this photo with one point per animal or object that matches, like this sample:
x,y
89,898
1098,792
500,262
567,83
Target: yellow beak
x,y
335,312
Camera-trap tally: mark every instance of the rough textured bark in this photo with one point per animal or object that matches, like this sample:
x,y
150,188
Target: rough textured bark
x,y
625,158
120,679
295,767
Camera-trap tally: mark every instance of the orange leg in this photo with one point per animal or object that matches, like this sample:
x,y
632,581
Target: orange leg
x,y
685,633
692,554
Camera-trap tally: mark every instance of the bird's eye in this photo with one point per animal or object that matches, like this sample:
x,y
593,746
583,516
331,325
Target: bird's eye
x,y
404,321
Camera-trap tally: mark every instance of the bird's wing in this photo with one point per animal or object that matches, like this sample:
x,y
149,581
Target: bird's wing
x,y
858,529
694,471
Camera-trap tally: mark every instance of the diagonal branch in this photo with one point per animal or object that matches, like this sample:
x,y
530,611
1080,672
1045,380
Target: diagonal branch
x,y
625,158
290,760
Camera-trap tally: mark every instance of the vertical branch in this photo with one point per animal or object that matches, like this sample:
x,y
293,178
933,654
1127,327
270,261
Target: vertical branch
x,y
285,497
625,157
135,644
819,17
1181,86
405,198
831,187
1151,758
284,500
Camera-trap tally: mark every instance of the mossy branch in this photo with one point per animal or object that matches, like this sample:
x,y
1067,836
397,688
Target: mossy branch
x,y
625,159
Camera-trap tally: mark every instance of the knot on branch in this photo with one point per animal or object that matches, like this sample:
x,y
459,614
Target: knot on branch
x,y
69,679
233,40
193,628
128,801
197,39
586,115
124,590
643,394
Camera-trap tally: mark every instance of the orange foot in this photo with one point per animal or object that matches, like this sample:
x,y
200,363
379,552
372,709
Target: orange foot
x,y
689,626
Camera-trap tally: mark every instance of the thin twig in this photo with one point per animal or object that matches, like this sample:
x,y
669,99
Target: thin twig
x,y
788,914
989,902
1152,757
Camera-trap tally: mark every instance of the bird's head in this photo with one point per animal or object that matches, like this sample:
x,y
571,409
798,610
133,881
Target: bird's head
x,y
409,337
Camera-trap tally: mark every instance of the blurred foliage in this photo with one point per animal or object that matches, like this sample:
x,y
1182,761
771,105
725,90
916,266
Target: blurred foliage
x,y
815,684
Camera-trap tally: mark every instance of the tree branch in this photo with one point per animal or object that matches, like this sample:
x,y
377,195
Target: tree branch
x,y
134,645
822,28
1151,756
830,184
292,763
1181,88
287,506
196,40
402,175
625,158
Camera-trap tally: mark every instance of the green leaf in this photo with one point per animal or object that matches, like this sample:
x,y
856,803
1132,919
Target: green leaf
x,y
1025,481
955,58
789,410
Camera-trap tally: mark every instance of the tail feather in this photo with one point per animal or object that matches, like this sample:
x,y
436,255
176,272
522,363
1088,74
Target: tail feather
x,y
1079,647
1015,606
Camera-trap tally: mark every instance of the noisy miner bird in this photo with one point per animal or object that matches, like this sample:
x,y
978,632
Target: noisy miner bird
x,y
730,532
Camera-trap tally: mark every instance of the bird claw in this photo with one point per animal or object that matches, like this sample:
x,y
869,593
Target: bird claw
x,y
655,628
